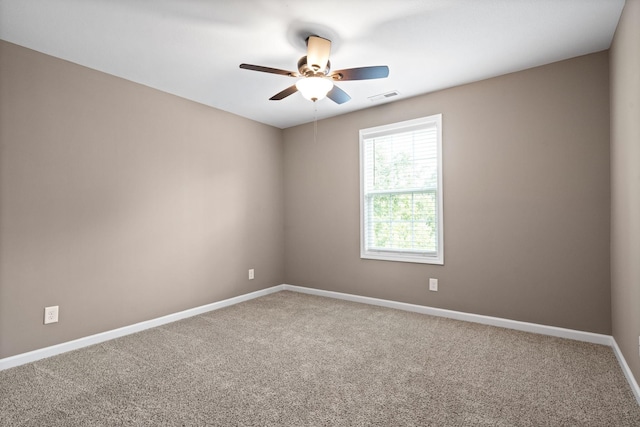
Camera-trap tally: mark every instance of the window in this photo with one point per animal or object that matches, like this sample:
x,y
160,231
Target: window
x,y
401,191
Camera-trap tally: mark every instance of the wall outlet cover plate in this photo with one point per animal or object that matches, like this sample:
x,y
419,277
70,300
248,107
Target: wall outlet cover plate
x,y
50,314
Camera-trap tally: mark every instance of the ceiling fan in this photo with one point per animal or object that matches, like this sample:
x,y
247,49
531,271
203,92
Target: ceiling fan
x,y
317,78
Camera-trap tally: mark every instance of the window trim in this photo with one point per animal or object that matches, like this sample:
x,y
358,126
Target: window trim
x,y
398,255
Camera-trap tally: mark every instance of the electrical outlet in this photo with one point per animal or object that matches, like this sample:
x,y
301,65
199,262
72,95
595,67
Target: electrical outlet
x,y
251,274
50,314
433,285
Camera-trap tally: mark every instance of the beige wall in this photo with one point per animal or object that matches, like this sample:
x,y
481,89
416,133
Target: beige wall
x,y
120,203
526,202
625,182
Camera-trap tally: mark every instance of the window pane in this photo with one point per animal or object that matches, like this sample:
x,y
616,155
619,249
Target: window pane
x,y
381,207
402,207
402,236
425,206
382,234
426,234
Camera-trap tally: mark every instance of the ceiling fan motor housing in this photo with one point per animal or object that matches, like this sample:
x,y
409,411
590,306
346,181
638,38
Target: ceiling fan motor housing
x,y
307,70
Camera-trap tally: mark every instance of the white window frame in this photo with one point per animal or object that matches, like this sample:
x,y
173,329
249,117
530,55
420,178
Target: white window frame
x,y
399,255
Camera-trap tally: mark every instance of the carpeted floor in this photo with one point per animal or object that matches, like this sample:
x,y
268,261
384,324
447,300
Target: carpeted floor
x,y
290,359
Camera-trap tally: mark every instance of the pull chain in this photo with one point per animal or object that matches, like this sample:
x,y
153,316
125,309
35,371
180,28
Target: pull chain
x,y
315,122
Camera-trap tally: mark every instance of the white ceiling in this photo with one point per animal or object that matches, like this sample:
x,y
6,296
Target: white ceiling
x,y
192,48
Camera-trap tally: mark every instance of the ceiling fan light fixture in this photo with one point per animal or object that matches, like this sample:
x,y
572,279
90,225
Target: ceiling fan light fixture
x,y
314,88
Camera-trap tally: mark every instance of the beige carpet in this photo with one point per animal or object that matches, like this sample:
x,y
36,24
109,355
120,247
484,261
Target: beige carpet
x,y
291,359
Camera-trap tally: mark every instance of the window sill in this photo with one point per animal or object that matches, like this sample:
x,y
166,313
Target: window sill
x,y
398,257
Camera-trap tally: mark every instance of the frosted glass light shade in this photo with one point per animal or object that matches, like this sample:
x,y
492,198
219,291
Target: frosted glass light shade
x,y
314,88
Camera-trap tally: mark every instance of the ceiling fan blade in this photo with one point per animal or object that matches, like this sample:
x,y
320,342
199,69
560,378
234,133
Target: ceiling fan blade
x,y
337,95
268,70
281,95
318,50
362,73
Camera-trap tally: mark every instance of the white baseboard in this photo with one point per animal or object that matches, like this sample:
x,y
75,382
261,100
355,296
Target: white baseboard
x,y
626,370
32,356
468,317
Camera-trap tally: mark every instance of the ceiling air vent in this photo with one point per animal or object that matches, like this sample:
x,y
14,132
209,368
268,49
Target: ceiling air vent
x,y
382,96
